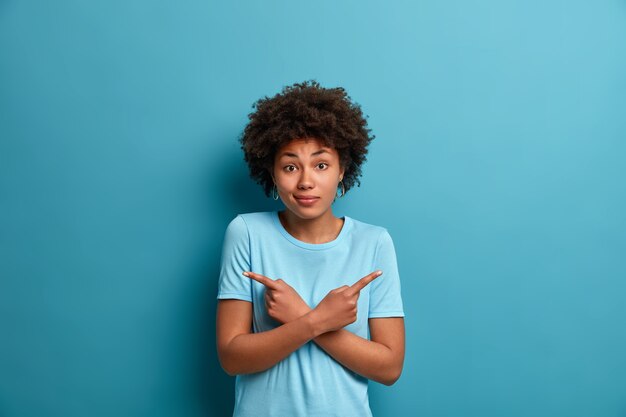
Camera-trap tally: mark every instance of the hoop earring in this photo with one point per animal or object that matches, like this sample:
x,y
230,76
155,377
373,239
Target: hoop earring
x,y
274,192
343,189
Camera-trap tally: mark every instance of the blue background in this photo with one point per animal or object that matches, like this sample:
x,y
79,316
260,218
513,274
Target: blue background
x,y
498,169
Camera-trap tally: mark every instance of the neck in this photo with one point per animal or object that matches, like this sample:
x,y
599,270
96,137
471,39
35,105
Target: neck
x,y
322,229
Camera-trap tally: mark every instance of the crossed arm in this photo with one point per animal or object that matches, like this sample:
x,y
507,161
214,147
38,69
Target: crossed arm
x,y
241,351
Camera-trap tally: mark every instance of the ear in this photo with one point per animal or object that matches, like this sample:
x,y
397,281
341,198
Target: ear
x,y
343,171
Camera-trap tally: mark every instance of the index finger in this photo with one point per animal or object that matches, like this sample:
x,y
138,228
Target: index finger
x,y
363,282
268,282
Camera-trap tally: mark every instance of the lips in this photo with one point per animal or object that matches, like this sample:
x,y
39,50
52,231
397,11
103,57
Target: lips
x,y
306,199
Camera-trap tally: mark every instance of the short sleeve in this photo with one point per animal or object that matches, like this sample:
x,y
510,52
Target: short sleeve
x,y
235,260
385,297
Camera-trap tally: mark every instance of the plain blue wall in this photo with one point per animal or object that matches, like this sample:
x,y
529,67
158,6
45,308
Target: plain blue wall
x,y
498,168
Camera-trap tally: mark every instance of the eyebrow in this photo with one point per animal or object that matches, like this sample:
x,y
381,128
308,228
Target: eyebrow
x,y
293,155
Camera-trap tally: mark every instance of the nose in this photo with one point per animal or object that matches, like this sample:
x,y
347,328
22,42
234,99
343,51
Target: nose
x,y
305,181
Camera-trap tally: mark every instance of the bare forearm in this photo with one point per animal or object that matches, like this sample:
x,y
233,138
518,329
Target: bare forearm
x,y
255,352
379,359
367,358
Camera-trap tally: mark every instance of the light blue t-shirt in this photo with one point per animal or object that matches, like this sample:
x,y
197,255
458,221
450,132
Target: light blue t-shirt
x,y
309,382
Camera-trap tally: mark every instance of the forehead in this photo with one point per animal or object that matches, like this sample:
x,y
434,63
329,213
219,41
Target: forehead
x,y
305,147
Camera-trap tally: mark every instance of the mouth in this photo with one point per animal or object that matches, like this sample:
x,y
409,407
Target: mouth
x,y
306,200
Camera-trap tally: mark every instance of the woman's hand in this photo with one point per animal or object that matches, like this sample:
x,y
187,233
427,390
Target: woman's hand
x,y
339,307
336,310
282,302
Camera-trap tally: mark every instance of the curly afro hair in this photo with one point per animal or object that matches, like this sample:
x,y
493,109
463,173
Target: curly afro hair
x,y
306,110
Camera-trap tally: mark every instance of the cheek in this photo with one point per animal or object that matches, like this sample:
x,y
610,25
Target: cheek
x,y
285,181
330,184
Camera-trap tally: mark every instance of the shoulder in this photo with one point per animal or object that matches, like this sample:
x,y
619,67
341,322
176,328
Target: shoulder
x,y
256,219
367,230
246,222
258,216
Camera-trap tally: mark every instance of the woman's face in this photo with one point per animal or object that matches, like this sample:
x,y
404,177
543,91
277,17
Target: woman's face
x,y
306,174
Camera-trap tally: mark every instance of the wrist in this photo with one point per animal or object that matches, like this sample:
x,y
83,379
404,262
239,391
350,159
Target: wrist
x,y
313,323
305,311
329,335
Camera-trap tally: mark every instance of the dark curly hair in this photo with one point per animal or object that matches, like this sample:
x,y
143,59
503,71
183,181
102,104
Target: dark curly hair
x,y
306,110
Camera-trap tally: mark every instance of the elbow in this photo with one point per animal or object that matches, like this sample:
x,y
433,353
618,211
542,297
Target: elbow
x,y
391,377
231,373
229,366
230,369
389,382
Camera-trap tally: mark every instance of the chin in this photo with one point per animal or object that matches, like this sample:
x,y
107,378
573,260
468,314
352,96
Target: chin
x,y
307,213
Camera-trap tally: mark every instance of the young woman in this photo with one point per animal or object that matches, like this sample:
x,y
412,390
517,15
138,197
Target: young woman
x,y
309,304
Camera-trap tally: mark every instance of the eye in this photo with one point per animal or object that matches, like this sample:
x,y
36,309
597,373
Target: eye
x,y
325,165
288,168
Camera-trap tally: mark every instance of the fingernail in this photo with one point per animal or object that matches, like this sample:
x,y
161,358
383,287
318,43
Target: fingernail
x,y
379,273
246,274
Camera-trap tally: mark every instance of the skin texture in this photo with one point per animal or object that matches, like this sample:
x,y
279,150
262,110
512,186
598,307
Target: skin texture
x,y
306,110
306,167
301,168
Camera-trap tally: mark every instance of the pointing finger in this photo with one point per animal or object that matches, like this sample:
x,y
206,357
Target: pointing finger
x,y
363,282
268,282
